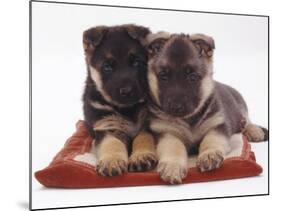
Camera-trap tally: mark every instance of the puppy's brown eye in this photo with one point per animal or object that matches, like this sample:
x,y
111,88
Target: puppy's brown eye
x,y
136,61
163,75
193,77
107,67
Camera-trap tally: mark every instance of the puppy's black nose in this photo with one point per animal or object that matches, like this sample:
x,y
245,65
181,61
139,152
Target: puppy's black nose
x,y
125,91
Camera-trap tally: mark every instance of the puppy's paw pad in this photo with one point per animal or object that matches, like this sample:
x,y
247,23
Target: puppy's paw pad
x,y
111,166
209,160
172,172
142,161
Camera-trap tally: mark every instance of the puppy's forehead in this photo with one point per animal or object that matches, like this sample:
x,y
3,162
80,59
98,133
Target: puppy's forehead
x,y
179,51
118,43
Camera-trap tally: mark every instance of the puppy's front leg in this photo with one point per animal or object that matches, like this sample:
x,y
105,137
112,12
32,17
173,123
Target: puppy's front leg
x,y
143,157
212,151
112,156
173,158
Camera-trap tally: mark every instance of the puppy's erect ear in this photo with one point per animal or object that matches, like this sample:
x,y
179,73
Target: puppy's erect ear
x,y
205,44
92,37
137,32
155,42
155,47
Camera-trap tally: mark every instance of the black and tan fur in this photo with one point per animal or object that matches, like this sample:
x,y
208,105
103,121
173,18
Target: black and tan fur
x,y
114,99
188,108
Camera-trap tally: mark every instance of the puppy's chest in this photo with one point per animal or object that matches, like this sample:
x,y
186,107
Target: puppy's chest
x,y
185,130
133,122
129,122
176,127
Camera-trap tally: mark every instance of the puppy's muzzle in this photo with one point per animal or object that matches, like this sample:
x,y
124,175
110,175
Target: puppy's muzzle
x,y
176,108
126,91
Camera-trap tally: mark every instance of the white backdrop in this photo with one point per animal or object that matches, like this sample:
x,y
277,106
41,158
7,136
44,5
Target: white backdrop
x,y
58,74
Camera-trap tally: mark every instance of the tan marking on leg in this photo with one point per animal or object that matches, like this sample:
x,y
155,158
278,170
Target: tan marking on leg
x,y
212,151
112,156
173,159
143,155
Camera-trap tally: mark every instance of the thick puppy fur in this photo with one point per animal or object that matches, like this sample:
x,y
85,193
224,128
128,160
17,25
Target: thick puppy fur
x,y
114,102
188,108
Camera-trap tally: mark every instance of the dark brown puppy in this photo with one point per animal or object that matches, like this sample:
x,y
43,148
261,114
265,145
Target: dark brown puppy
x,y
189,109
114,99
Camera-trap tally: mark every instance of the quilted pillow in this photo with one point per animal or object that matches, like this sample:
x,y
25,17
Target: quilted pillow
x,y
74,166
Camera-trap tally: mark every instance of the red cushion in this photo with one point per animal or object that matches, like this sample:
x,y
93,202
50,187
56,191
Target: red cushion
x,y
66,172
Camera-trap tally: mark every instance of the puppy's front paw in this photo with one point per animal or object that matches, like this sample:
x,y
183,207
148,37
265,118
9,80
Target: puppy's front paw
x,y
111,166
142,161
172,171
209,160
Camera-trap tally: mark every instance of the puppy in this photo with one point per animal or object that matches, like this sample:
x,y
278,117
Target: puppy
x,y
114,100
188,108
